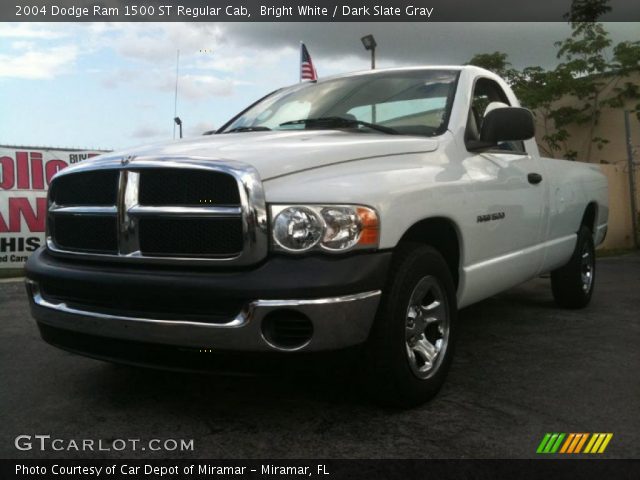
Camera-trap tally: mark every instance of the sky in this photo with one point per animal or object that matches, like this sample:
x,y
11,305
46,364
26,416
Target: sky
x,y
111,86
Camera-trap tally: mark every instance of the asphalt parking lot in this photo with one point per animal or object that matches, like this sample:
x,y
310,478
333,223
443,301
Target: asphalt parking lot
x,y
523,367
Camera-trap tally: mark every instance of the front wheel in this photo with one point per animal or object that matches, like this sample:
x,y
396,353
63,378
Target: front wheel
x,y
411,344
572,285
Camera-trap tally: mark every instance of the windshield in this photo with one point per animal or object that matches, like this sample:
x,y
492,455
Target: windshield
x,y
414,102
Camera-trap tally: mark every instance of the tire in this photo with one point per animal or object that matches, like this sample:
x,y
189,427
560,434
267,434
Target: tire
x,y
396,371
572,285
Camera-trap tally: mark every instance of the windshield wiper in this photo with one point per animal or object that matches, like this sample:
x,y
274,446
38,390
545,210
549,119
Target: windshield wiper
x,y
248,129
339,122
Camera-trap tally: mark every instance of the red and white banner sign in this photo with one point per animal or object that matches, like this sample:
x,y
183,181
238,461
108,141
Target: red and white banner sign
x,y
25,173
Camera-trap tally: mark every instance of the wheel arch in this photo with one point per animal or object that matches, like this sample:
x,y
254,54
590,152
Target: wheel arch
x,y
442,234
590,217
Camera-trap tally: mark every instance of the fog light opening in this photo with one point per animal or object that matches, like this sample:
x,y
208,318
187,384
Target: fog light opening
x,y
287,329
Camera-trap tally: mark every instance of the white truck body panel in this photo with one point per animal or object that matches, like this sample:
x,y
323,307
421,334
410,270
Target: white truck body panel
x,y
408,179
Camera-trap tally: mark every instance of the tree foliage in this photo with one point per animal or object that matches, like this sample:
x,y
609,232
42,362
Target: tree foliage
x,y
590,70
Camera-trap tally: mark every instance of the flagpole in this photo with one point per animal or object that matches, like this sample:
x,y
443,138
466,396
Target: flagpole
x,y
300,63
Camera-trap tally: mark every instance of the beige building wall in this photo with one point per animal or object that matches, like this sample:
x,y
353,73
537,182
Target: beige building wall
x,y
610,125
619,231
612,158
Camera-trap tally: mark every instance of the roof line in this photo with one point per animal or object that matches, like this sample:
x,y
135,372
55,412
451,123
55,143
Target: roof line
x,y
56,148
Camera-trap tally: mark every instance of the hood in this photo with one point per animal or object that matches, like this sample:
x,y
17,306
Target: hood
x,y
278,153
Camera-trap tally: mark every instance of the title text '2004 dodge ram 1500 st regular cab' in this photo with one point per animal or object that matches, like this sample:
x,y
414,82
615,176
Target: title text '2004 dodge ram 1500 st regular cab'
x,y
362,209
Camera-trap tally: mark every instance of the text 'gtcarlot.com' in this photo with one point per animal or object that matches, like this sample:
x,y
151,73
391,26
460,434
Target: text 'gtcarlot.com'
x,y
45,443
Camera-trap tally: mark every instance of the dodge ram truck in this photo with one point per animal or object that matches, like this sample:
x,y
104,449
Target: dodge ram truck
x,y
361,210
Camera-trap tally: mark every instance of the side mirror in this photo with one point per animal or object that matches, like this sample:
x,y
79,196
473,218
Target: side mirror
x,y
507,124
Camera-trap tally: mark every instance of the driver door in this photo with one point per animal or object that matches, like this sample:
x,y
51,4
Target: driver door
x,y
508,187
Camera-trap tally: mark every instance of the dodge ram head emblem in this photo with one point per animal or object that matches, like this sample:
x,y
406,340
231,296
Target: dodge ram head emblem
x,y
491,216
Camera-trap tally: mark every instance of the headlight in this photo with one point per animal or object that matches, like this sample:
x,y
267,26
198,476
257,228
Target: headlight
x,y
332,228
297,229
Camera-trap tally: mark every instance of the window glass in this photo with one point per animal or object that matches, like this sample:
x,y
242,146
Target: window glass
x,y
415,102
419,111
485,92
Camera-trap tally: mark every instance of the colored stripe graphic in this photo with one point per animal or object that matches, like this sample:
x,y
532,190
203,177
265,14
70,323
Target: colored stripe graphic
x,y
556,446
544,441
581,443
567,442
591,442
605,443
574,443
598,442
550,443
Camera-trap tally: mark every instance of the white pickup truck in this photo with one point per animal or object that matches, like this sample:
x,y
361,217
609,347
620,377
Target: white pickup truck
x,y
359,210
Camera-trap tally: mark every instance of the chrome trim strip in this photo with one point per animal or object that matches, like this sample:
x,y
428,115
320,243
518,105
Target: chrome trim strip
x,y
128,242
317,301
84,210
270,305
253,209
338,322
212,212
240,320
136,256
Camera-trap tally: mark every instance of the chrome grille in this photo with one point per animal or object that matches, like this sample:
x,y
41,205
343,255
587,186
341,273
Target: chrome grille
x,y
159,211
87,188
187,188
190,236
86,233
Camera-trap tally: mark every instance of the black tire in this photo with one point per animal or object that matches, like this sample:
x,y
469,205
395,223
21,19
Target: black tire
x,y
572,285
390,376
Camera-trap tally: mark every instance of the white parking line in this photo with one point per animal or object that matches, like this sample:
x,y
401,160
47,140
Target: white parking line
x,y
11,279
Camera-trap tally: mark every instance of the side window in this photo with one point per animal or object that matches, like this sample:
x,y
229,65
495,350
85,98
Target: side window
x,y
485,92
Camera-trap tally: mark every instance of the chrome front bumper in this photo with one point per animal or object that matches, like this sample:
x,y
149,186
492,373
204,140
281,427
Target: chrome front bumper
x,y
338,322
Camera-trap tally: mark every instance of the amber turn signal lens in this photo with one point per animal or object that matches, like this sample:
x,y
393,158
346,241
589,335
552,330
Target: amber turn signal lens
x,y
370,227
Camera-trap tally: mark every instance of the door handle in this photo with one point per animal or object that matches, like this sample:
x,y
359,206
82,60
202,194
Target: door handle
x,y
534,178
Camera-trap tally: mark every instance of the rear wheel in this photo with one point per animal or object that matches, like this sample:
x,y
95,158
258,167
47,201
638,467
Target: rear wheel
x,y
572,285
411,344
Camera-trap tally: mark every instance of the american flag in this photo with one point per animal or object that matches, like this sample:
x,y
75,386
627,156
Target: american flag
x,y
307,70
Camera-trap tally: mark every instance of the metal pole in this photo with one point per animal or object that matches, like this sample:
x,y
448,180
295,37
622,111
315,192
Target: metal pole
x,y
373,67
300,64
175,98
632,178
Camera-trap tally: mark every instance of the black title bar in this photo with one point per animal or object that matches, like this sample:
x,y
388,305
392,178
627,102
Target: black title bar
x,y
301,11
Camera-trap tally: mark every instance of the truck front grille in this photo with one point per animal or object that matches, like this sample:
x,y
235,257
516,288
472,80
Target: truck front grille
x,y
86,233
163,187
99,187
190,236
155,212
142,302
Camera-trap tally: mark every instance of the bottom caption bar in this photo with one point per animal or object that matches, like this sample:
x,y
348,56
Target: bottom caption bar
x,y
321,469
